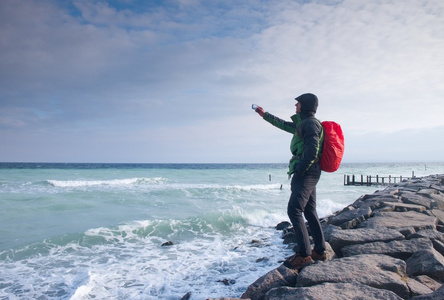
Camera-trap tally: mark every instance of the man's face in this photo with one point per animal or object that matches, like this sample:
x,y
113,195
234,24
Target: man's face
x,y
298,107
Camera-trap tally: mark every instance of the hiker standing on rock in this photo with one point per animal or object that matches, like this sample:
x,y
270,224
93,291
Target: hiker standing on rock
x,y
306,147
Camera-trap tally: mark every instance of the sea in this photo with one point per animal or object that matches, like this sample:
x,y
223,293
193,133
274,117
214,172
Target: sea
x,y
154,231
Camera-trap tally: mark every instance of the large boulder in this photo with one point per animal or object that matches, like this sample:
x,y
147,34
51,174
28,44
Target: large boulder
x,y
378,271
401,249
342,238
331,291
281,276
400,220
430,263
350,218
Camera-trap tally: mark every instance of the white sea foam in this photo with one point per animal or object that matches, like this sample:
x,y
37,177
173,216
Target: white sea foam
x,y
111,182
128,262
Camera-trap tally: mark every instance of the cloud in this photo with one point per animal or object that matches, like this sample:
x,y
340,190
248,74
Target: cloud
x,y
85,70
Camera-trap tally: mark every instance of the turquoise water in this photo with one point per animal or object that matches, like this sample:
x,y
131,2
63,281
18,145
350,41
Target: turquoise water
x,y
94,231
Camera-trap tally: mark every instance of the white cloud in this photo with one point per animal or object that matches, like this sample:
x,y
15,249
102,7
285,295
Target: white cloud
x,y
194,66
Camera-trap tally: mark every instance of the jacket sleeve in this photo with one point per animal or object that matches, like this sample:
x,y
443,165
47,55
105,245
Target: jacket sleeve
x,y
289,127
310,131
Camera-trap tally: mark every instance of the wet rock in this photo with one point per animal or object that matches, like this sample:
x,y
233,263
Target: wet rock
x,y
281,276
331,291
378,271
283,225
227,281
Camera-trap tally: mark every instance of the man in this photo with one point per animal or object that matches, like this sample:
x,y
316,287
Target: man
x,y
306,147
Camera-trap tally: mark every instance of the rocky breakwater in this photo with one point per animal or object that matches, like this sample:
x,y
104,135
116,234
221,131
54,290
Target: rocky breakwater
x,y
386,245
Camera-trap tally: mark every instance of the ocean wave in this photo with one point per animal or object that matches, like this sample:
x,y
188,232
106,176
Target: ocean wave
x,y
110,182
128,260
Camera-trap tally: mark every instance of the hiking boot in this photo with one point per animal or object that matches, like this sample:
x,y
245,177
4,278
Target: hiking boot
x,y
317,256
298,262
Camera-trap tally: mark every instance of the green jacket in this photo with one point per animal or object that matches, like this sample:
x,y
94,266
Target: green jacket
x,y
296,144
313,133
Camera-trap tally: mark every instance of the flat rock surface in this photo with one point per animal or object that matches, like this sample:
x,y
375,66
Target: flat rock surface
x,y
346,216
397,220
381,271
401,249
278,277
342,238
438,295
430,263
331,291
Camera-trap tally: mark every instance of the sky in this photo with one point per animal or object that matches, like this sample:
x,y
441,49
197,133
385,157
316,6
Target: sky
x,y
173,81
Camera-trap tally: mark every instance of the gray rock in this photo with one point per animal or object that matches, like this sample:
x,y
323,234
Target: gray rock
x,y
401,249
413,198
328,230
375,201
225,298
349,219
403,207
437,295
436,237
342,238
417,288
439,214
429,282
439,246
378,271
430,263
331,291
281,276
400,220
436,196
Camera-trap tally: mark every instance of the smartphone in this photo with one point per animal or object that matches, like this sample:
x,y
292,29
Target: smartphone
x,y
254,106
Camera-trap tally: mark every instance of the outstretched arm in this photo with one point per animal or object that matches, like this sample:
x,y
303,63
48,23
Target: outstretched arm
x,y
275,121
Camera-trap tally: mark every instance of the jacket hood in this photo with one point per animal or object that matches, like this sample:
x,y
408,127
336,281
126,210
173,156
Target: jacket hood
x,y
309,102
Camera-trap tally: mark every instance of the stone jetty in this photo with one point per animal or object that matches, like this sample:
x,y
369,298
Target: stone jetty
x,y
386,245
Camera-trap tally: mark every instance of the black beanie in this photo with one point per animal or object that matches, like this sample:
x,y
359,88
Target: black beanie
x,y
309,102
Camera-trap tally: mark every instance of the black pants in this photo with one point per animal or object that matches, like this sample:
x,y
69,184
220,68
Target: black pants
x,y
303,201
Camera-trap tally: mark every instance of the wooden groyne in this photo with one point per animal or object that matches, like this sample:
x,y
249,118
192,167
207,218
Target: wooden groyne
x,y
374,180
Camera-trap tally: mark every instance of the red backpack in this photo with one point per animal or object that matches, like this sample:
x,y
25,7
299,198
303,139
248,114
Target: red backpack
x,y
333,150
